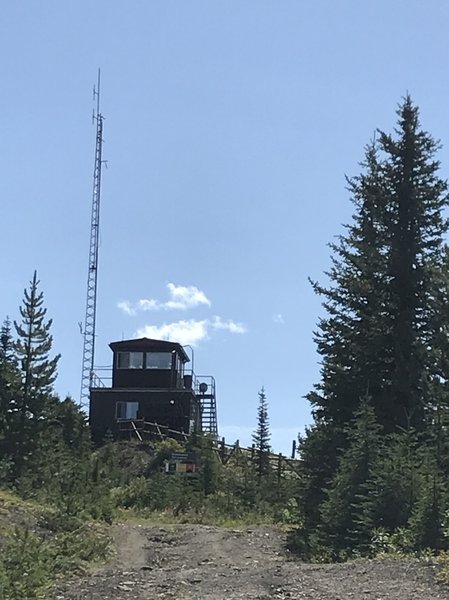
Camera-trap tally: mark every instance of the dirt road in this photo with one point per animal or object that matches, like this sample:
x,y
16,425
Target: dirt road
x,y
193,562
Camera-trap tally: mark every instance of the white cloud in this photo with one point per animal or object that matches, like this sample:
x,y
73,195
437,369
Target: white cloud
x,y
180,298
183,297
189,332
185,332
126,307
148,304
278,318
231,326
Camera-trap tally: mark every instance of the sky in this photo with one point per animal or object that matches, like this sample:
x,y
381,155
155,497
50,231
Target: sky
x,y
229,129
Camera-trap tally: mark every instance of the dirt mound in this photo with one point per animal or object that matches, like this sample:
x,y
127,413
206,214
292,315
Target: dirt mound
x,y
188,562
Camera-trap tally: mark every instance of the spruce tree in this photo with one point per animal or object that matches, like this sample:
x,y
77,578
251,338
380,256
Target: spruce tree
x,y
60,455
38,372
416,228
33,348
343,526
438,346
9,395
427,523
9,377
351,337
385,295
261,437
319,450
393,488
385,331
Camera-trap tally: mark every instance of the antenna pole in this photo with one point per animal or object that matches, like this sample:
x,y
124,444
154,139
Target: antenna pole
x,y
91,300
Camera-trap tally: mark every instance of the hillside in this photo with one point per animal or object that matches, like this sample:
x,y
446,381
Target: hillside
x,y
204,563
39,546
16,515
189,562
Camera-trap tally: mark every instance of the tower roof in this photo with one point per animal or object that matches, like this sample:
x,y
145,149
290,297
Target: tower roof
x,y
148,345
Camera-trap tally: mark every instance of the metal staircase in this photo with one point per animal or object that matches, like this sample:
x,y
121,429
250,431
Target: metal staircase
x,y
205,392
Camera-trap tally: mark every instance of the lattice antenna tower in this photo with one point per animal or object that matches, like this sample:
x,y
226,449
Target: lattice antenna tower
x,y
91,301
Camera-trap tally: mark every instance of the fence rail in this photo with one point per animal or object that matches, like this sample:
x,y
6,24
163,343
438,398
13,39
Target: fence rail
x,y
145,431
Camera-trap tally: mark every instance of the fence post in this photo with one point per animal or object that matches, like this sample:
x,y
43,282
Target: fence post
x,y
293,449
279,466
223,450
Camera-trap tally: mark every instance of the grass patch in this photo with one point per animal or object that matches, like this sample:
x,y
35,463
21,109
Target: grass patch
x,y
39,546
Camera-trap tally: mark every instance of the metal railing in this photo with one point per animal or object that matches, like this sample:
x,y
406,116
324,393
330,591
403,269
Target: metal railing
x,y
145,429
101,377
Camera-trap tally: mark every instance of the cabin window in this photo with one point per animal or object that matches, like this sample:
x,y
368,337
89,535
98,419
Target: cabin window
x,y
130,360
126,410
158,360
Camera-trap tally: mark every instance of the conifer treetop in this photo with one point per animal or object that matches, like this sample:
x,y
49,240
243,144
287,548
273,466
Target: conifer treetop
x,y
35,341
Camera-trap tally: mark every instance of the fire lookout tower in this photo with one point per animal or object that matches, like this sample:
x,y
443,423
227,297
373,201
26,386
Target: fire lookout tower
x,y
152,387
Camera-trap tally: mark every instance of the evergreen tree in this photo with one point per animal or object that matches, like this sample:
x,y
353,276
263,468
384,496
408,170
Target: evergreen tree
x,y
438,345
319,449
417,197
72,423
38,372
33,348
393,488
385,298
261,437
385,332
343,525
428,519
9,394
351,337
60,455
9,377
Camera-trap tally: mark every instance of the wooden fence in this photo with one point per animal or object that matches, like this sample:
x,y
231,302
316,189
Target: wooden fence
x,y
147,431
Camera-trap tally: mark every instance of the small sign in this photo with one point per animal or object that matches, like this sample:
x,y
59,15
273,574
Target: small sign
x,y
179,456
184,463
183,456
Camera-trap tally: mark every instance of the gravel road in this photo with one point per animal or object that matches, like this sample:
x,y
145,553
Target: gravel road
x,y
194,562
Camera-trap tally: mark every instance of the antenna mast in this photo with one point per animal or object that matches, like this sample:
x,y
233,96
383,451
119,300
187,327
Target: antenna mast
x,y
91,301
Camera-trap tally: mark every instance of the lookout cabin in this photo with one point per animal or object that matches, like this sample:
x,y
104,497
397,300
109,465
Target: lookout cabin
x,y
152,389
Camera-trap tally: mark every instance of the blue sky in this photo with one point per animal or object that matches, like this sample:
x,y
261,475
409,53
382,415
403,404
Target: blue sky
x,y
229,127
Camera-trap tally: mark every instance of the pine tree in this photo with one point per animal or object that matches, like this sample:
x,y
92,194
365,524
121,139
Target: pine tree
x,y
9,377
319,450
71,422
385,298
393,488
38,372
33,348
417,254
61,452
385,332
343,526
438,346
351,337
9,394
427,522
261,437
